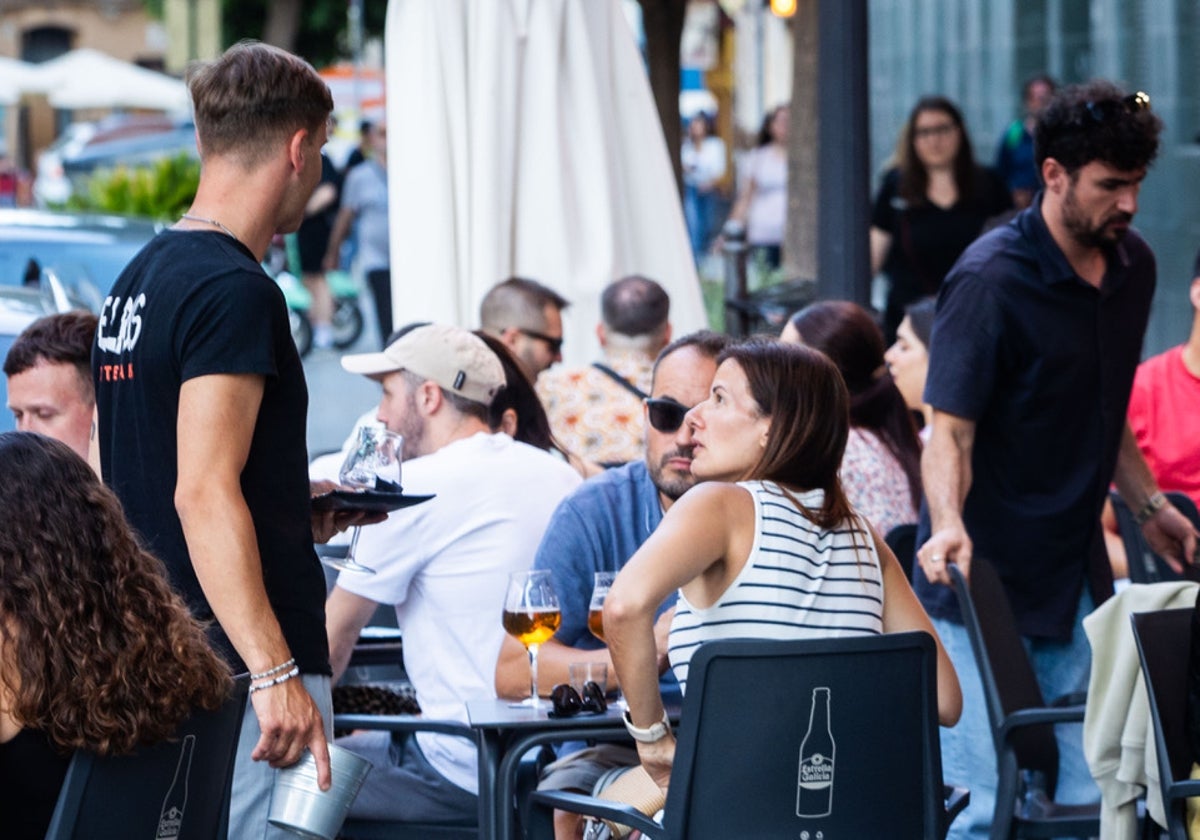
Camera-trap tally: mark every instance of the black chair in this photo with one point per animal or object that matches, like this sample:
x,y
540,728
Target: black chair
x,y
754,737
902,540
1164,654
1022,721
360,829
180,785
1144,565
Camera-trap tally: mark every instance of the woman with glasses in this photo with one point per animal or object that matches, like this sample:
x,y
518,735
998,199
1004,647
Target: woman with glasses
x,y
768,523
931,205
96,652
881,470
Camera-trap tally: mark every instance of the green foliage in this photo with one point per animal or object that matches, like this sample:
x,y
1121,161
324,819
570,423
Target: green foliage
x,y
163,190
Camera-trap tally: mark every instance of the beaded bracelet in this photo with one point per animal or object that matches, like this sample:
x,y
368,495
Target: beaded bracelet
x,y
1154,504
282,678
273,671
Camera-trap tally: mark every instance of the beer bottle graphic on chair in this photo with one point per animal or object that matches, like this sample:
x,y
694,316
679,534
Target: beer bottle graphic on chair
x,y
814,796
170,820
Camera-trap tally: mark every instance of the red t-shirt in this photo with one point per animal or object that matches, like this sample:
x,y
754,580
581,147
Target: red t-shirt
x,y
1164,414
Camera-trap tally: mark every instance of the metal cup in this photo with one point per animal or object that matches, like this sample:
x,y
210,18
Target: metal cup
x,y
299,806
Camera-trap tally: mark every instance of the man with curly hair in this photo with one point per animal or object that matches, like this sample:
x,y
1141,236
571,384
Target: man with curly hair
x,y
1037,335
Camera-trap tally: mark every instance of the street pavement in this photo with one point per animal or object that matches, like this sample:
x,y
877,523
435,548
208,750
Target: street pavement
x,y
337,398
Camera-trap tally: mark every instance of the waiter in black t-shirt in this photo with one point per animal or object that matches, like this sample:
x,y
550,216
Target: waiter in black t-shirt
x,y
201,406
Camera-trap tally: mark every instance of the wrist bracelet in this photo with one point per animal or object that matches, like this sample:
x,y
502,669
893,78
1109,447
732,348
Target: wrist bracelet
x,y
282,678
273,671
1154,504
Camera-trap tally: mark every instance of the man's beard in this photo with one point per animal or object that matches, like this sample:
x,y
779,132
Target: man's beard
x,y
412,429
672,486
1080,229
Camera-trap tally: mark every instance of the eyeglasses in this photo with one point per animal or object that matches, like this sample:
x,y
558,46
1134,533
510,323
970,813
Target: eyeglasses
x,y
568,703
665,415
555,344
934,131
1101,112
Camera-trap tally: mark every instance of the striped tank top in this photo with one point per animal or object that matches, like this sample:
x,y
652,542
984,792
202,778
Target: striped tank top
x,y
799,582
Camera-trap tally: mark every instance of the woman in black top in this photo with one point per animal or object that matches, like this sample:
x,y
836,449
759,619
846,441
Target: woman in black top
x,y
931,206
96,651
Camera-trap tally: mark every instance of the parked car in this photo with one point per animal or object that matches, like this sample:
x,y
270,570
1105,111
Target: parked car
x,y
83,148
86,251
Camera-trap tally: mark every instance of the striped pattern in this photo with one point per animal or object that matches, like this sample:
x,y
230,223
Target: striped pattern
x,y
799,582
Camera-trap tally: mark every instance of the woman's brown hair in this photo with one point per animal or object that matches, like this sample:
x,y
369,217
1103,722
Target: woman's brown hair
x,y
802,392
847,334
96,650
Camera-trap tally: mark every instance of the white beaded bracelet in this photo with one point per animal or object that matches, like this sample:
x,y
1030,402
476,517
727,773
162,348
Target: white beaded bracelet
x,y
282,678
273,671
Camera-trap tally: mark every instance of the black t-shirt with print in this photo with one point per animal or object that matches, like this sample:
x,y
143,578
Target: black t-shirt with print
x,y
195,304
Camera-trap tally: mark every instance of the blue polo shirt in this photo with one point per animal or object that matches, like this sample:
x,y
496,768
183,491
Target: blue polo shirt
x,y
1043,363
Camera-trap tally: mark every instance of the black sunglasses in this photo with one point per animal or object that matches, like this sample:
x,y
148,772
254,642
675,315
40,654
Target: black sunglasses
x,y
568,703
665,415
555,344
1101,112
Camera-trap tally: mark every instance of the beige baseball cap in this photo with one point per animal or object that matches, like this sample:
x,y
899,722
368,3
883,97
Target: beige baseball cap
x,y
455,359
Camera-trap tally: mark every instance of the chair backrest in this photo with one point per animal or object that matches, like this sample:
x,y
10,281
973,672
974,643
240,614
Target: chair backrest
x,y
1009,681
1164,644
1144,565
902,540
836,737
178,789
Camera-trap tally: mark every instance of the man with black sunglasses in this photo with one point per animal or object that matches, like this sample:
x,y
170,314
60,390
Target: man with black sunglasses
x,y
1037,335
527,317
599,527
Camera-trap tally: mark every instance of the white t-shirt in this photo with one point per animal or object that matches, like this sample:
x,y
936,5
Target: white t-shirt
x,y
445,565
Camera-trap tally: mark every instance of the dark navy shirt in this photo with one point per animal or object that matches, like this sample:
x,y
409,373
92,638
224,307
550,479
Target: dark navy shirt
x,y
1043,363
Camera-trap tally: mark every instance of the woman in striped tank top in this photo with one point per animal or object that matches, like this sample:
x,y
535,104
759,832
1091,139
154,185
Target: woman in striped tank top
x,y
767,546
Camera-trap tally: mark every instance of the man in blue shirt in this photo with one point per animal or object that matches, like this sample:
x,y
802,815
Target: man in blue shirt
x,y
600,526
1038,332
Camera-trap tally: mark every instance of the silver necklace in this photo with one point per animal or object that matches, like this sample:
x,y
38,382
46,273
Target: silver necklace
x,y
212,222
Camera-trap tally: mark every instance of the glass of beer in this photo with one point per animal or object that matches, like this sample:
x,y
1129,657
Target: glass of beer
x,y
603,580
531,615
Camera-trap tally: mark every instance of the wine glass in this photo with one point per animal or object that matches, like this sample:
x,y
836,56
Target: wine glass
x,y
602,582
531,615
373,464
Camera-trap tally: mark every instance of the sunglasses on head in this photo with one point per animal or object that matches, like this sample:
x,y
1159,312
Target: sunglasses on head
x,y
1098,113
665,415
568,703
555,344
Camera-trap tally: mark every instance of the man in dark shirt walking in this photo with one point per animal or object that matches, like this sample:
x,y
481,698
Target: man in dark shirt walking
x,y
1038,332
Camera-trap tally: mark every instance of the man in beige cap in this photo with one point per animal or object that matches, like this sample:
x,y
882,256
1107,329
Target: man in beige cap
x,y
444,563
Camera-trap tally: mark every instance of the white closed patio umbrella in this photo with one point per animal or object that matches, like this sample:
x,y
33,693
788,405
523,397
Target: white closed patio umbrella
x,y
523,140
86,78
16,77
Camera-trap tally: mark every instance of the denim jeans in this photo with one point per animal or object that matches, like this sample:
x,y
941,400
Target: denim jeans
x,y
968,757
253,780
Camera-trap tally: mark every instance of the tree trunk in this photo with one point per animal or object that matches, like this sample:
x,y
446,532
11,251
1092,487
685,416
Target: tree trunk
x,y
663,23
800,238
282,24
